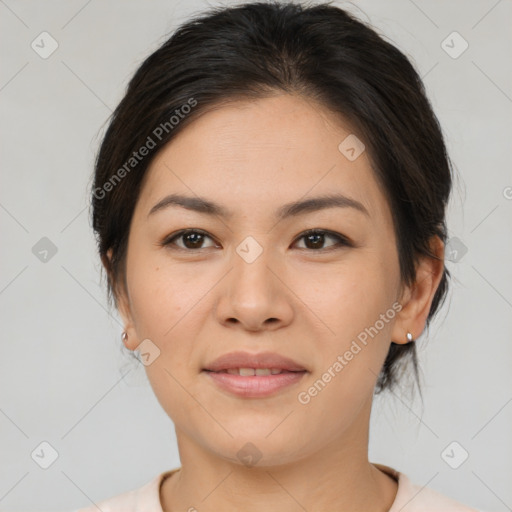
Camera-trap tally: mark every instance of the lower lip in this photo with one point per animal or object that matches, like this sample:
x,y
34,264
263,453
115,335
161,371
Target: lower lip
x,y
255,386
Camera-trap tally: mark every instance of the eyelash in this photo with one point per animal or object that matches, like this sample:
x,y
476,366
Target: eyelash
x,y
342,240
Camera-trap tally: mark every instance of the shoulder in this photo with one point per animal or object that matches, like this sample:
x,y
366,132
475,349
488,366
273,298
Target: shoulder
x,y
143,499
411,497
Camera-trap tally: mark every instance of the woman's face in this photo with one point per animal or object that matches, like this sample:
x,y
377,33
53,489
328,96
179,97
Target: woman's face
x,y
252,282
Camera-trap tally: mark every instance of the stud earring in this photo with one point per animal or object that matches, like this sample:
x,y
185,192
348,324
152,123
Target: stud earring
x,y
124,336
409,337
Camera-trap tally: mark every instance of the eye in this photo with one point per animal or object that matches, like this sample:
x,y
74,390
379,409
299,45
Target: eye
x,y
316,238
192,239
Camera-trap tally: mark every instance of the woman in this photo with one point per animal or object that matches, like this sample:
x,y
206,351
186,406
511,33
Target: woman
x,y
269,201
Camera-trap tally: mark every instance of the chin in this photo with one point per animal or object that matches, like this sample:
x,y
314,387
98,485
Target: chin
x,y
261,448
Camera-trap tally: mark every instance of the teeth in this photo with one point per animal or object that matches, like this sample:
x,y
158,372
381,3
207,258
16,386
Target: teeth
x,y
248,372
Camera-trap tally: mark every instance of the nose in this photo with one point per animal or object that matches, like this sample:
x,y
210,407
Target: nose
x,y
254,297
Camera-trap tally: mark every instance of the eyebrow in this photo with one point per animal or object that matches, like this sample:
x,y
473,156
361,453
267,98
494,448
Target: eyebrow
x,y
207,207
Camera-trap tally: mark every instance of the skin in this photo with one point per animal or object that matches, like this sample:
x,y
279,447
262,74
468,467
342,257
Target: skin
x,y
199,303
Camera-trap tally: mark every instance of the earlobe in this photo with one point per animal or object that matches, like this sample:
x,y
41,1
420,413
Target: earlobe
x,y
128,336
419,296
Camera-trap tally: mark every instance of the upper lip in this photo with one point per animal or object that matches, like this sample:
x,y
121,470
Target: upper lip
x,y
259,360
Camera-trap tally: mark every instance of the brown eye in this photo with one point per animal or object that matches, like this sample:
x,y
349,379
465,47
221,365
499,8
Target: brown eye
x,y
191,239
315,239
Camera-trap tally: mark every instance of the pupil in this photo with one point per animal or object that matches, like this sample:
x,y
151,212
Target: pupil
x,y
318,237
197,237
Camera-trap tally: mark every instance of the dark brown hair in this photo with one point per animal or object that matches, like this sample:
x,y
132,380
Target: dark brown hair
x,y
256,50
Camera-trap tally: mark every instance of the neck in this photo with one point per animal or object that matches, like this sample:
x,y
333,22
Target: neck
x,y
337,477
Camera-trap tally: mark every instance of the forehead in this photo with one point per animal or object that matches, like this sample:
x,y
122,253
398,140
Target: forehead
x,y
253,155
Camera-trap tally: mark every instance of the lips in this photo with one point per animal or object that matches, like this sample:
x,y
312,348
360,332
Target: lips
x,y
262,360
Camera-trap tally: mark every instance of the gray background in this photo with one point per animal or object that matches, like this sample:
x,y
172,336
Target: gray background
x,y
61,365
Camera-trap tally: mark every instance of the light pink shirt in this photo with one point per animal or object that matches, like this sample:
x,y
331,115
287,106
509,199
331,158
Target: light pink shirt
x,y
409,497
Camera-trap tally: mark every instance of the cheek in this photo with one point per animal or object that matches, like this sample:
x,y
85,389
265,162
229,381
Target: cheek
x,y
169,308
347,297
354,303
161,294
352,350
163,307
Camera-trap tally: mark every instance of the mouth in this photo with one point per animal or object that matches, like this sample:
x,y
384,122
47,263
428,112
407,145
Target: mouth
x,y
257,375
246,383
247,364
255,372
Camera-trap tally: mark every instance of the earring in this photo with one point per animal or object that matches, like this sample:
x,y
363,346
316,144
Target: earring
x,y
124,337
409,337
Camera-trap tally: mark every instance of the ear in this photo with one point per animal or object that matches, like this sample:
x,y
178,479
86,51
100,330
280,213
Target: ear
x,y
417,298
123,304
